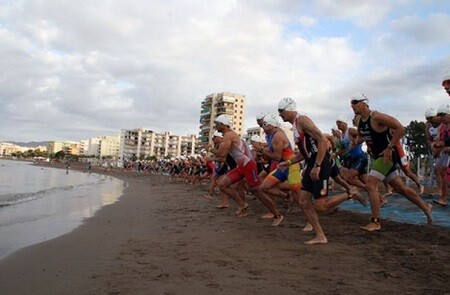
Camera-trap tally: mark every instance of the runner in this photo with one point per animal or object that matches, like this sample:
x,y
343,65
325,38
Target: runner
x,y
279,149
354,160
373,128
246,168
312,145
443,143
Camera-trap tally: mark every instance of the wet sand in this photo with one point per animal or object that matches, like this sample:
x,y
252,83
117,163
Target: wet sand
x,y
164,238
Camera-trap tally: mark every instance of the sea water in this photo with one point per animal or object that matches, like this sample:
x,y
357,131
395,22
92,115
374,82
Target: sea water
x,y
400,209
41,203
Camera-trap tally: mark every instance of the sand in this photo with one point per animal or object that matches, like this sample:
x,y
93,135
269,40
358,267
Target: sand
x,y
164,238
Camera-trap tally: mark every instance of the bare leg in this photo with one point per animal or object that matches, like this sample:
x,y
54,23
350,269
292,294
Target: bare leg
x,y
375,204
413,177
225,187
412,196
268,202
304,200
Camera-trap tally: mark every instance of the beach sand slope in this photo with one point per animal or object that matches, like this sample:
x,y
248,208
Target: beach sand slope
x,y
163,238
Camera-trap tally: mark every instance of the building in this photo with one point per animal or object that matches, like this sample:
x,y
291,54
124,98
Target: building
x,y
69,147
7,149
84,146
142,143
93,146
109,146
254,131
216,104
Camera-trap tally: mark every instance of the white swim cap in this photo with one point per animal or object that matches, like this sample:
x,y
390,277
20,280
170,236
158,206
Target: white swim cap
x,y
255,138
224,119
287,104
272,119
217,134
430,112
359,96
342,119
261,116
444,108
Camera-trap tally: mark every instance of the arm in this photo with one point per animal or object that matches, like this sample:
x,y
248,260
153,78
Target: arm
x,y
278,143
309,127
224,147
396,130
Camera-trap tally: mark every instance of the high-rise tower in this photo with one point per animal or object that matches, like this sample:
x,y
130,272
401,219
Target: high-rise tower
x,y
216,104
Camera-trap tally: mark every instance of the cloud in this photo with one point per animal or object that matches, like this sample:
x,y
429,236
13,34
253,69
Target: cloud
x,y
365,14
88,68
429,31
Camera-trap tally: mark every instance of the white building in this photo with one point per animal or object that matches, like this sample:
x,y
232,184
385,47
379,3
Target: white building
x,y
108,146
141,143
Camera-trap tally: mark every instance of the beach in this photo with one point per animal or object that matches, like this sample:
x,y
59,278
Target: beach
x,y
164,238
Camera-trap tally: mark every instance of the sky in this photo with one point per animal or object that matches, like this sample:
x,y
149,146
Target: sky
x,y
71,70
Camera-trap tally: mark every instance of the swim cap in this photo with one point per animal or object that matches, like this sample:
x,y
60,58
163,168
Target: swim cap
x,y
261,115
224,119
342,119
444,108
255,138
217,134
430,112
359,96
272,120
287,104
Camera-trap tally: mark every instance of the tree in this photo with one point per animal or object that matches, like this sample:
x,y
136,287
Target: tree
x,y
60,155
416,141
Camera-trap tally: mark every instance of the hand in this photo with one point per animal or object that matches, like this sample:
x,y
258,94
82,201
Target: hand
x,y
315,173
256,146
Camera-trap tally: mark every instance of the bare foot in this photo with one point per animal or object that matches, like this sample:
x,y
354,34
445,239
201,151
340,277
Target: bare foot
x,y
242,209
208,196
441,201
308,227
372,226
242,214
277,220
317,240
268,215
222,206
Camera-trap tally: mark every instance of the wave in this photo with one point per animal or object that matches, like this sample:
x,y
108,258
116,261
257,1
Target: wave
x,y
17,198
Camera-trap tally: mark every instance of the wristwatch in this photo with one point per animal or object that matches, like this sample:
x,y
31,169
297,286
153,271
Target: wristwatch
x,y
316,165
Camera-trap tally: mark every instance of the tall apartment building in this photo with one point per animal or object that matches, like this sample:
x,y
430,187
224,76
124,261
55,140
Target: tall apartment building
x,y
109,146
141,143
216,104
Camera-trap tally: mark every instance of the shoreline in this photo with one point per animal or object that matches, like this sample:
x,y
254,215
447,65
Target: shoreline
x,y
51,206
164,238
